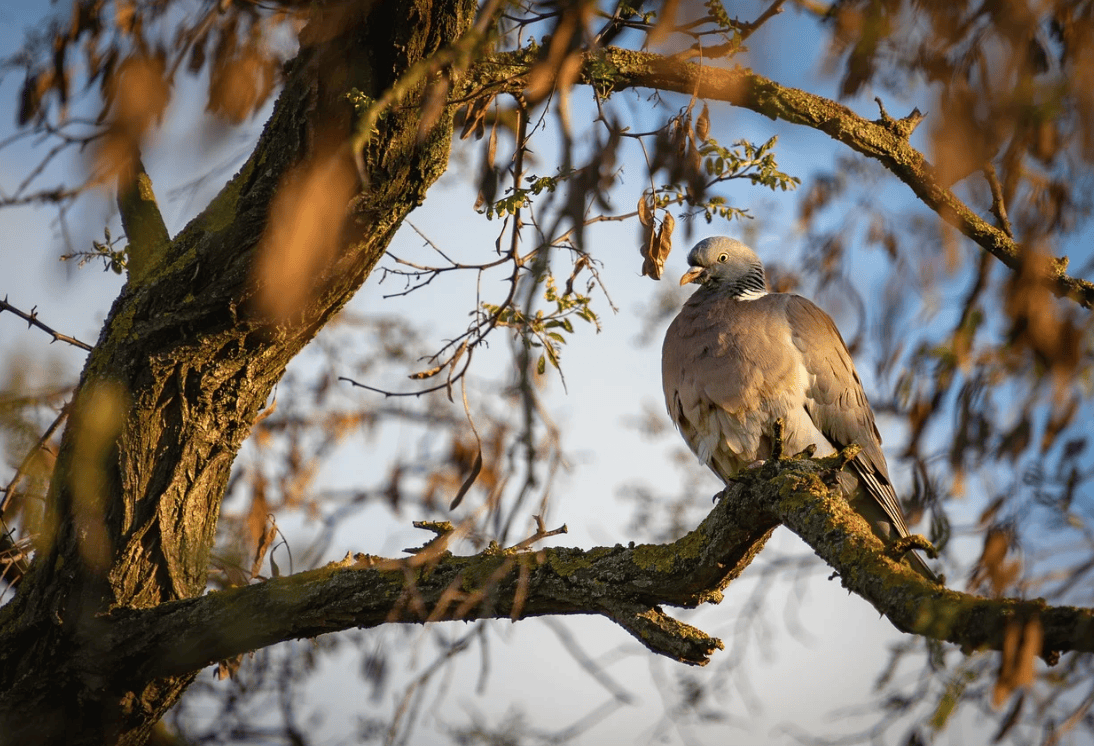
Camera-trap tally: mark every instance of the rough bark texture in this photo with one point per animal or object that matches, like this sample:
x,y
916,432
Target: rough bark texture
x,y
624,584
183,366
804,501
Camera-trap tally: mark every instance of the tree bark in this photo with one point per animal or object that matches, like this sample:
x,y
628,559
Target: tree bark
x,y
185,363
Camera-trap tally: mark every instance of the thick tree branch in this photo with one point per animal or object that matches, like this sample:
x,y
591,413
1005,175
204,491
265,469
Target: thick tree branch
x,y
884,140
142,221
822,518
625,584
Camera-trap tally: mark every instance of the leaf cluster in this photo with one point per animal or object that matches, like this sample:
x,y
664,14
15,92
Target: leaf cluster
x,y
544,330
517,198
113,259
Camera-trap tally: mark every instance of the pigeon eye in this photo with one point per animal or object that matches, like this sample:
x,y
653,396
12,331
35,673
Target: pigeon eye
x,y
723,258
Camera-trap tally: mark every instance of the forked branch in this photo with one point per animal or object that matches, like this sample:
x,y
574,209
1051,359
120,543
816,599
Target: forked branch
x,y
625,584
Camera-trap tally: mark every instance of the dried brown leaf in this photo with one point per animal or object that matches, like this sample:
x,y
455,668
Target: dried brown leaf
x,y
259,511
476,467
436,96
960,142
993,567
1033,641
647,250
125,15
96,423
228,667
1041,324
264,544
1022,644
645,210
492,146
657,249
474,117
1012,718
423,374
664,238
569,71
488,176
702,124
138,92
240,83
666,21
559,66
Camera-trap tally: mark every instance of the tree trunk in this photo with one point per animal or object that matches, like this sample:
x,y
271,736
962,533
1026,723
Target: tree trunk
x,y
185,363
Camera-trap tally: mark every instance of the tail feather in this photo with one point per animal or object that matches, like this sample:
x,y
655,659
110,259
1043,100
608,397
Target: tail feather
x,y
881,522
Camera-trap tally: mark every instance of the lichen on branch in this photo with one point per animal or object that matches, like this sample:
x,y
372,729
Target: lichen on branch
x,y
627,585
884,139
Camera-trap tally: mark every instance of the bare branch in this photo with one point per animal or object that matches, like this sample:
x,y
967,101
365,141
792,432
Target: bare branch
x,y
884,141
32,320
55,195
540,534
144,226
998,204
772,10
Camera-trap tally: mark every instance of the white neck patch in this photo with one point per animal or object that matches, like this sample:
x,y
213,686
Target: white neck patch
x,y
751,295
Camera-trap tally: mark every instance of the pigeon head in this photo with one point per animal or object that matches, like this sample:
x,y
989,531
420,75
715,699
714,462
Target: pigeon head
x,y
726,265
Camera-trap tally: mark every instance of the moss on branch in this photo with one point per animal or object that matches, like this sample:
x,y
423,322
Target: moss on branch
x,y
142,221
627,585
884,140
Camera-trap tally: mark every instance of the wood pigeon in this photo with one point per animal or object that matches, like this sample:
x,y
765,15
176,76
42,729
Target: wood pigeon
x,y
737,358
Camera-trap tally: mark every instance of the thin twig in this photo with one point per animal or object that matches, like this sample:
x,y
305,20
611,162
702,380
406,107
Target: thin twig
x,y
476,468
773,10
1074,719
541,533
998,206
57,194
32,320
420,392
13,556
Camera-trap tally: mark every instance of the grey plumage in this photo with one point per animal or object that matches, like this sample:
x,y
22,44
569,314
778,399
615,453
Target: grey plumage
x,y
737,358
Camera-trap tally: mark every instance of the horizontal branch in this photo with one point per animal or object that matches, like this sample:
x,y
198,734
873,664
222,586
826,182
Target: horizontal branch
x,y
824,520
625,584
885,140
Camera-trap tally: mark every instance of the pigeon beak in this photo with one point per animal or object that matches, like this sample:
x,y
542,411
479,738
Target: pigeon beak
x,y
695,274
